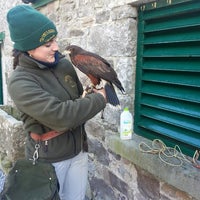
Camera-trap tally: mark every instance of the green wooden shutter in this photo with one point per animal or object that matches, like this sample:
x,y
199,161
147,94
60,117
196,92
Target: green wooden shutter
x,y
2,36
167,102
40,3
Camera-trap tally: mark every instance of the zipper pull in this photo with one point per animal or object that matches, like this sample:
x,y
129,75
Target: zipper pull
x,y
45,145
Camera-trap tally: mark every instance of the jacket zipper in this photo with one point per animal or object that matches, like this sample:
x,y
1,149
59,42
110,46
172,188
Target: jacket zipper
x,y
74,140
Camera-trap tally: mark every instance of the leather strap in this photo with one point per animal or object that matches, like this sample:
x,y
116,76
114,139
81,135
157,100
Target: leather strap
x,y
45,136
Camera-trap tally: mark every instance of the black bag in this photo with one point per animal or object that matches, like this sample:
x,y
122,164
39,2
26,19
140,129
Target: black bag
x,y
31,180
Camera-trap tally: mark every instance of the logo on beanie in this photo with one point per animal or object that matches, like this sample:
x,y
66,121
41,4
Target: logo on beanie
x,y
48,35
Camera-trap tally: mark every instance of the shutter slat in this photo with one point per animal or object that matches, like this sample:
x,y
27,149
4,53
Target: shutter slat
x,y
175,22
176,78
178,120
168,104
173,50
163,11
173,35
170,131
166,90
172,64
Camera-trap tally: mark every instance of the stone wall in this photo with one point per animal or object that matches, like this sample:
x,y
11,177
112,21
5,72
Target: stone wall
x,y
11,139
117,169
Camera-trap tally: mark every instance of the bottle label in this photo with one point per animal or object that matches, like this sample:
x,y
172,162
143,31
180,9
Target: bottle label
x,y
126,129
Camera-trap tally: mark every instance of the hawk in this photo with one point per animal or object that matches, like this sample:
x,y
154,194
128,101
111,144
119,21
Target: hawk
x,y
97,69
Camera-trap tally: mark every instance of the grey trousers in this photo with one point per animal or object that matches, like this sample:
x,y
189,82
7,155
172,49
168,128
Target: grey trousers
x,y
72,176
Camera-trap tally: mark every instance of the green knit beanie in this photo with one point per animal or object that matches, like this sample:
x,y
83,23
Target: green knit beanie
x,y
29,28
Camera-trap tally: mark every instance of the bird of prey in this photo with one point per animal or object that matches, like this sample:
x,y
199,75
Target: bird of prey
x,y
97,69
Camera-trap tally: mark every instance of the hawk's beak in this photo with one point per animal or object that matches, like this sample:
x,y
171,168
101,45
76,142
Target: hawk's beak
x,y
66,52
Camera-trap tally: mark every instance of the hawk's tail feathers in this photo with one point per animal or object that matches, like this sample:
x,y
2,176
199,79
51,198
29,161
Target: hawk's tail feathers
x,y
111,95
119,85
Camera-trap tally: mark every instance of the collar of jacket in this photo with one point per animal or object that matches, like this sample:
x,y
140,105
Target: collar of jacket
x,y
28,62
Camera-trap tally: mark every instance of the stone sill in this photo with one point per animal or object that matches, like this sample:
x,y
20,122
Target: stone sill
x,y
185,177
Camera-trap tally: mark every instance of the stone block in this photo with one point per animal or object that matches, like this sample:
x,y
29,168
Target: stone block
x,y
113,39
11,140
148,185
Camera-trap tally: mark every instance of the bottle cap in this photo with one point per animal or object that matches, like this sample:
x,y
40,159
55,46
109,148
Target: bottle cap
x,y
126,109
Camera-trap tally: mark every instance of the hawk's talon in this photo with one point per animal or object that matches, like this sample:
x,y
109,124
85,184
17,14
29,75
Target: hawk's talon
x,y
89,89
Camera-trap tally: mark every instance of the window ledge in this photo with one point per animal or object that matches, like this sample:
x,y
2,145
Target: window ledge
x,y
186,175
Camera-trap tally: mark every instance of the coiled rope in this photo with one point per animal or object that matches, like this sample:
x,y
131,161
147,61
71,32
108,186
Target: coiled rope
x,y
172,156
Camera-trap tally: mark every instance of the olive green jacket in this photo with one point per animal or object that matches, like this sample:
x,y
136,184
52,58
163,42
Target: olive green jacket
x,y
50,99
